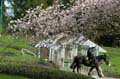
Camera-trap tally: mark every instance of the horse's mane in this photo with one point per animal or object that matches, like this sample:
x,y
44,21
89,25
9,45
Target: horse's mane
x,y
100,57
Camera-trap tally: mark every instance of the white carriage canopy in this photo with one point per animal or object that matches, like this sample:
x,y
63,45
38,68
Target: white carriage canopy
x,y
88,44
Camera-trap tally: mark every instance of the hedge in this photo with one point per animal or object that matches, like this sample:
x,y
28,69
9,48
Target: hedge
x,y
37,72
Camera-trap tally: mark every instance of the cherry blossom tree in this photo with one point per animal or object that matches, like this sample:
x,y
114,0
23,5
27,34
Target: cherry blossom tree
x,y
89,17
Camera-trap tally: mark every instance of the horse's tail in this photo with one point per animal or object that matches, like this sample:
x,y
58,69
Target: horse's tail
x,y
73,63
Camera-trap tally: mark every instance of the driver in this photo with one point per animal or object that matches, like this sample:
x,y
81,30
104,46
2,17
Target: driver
x,y
90,54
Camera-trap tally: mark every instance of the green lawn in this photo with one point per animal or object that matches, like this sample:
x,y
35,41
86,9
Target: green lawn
x,y
113,50
7,44
114,54
115,66
20,58
4,50
5,76
16,41
10,45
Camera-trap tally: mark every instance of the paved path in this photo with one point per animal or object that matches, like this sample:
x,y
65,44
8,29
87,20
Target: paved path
x,y
104,77
96,77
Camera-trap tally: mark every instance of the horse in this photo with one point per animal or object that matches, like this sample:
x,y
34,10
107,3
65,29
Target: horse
x,y
82,60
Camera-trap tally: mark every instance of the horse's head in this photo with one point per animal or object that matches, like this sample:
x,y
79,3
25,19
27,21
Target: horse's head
x,y
106,59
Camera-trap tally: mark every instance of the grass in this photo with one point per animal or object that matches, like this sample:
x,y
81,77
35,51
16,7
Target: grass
x,y
19,42
20,58
111,49
115,66
14,44
9,50
114,54
7,44
5,76
16,41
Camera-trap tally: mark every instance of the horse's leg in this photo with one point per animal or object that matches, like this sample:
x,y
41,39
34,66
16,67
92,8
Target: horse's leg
x,y
78,67
101,71
74,67
89,73
98,71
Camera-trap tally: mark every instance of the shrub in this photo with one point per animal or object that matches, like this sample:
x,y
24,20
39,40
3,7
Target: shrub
x,y
37,72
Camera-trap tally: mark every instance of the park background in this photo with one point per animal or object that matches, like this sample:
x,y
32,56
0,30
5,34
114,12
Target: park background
x,y
109,37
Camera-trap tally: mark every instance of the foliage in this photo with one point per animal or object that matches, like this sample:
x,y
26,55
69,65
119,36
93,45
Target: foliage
x,y
5,76
4,16
82,17
18,5
110,39
1,29
19,11
37,72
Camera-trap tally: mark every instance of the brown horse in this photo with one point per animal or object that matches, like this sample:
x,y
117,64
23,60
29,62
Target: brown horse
x,y
79,60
